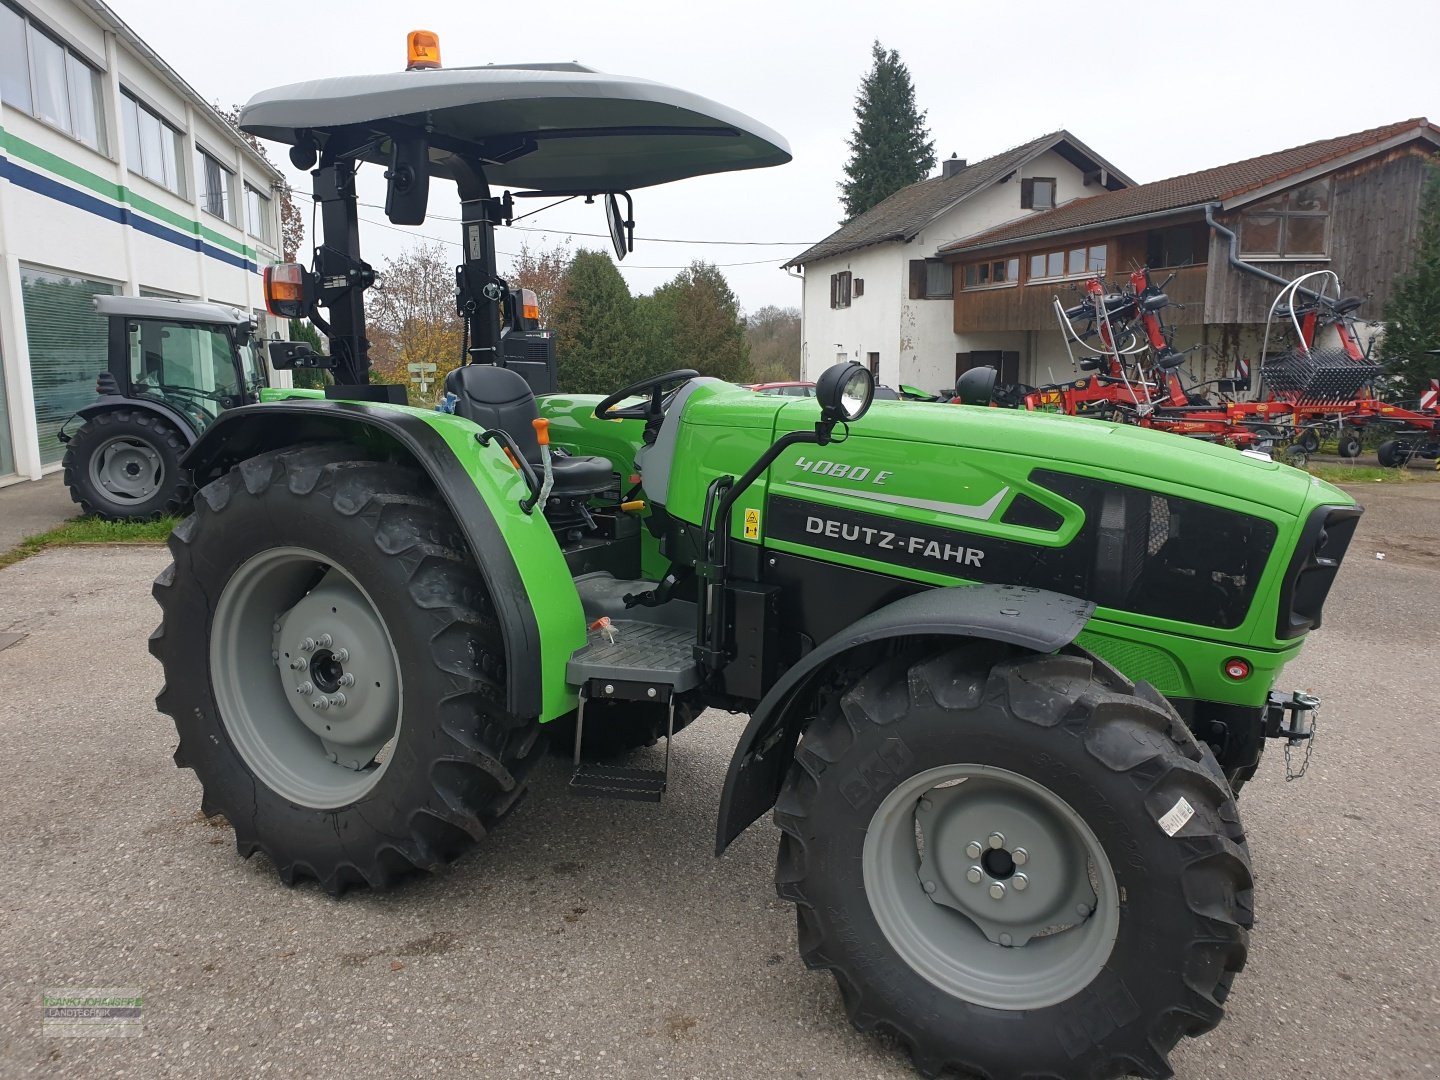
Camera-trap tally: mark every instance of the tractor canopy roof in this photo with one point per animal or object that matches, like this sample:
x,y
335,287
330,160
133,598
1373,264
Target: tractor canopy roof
x,y
559,128
188,311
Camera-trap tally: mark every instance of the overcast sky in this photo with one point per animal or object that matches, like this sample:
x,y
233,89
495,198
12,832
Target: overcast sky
x,y
1158,88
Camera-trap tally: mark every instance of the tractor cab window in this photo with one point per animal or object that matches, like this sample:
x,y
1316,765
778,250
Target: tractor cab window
x,y
188,366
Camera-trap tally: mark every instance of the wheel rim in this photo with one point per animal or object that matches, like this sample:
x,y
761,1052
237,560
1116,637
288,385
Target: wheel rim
x,y
306,677
935,852
127,469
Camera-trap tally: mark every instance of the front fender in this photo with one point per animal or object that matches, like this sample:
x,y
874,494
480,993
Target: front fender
x,y
1031,618
529,583
183,424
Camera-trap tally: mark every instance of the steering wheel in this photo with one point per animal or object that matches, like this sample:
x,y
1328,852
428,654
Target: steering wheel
x,y
652,409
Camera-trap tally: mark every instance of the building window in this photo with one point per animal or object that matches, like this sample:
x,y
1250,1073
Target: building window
x,y
1292,225
872,361
1037,193
986,275
217,186
257,216
67,348
840,289
859,285
154,147
1076,262
1180,245
38,75
931,279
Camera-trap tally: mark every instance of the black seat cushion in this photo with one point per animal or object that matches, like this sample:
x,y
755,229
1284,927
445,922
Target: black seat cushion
x,y
496,397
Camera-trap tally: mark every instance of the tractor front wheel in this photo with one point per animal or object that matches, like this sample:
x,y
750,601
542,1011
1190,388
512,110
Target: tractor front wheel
x,y
1018,865
124,465
335,671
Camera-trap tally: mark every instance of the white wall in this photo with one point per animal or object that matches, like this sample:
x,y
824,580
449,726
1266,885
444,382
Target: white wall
x,y
39,229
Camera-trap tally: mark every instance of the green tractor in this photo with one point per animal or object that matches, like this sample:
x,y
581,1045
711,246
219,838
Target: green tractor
x,y
171,367
1004,672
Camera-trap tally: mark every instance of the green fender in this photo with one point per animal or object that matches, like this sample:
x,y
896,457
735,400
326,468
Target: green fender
x,y
530,584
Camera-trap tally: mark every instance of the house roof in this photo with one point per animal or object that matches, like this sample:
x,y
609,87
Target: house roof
x,y
912,208
1224,184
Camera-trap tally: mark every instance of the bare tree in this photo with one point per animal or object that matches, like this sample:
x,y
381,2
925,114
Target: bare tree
x,y
544,271
292,221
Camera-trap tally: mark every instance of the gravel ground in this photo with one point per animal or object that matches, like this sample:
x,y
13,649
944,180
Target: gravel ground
x,y
592,939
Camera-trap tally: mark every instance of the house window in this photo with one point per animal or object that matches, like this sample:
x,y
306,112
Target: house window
x,y
986,275
872,360
154,147
67,348
1180,245
1074,262
840,289
1295,224
1037,193
939,280
257,216
217,186
39,76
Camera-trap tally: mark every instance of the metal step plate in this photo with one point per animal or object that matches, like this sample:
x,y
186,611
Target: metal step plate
x,y
642,652
618,782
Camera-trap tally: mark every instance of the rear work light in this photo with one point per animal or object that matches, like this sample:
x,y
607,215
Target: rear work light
x,y
289,290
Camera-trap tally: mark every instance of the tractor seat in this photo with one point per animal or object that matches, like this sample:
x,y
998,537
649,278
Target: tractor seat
x,y
1349,304
496,397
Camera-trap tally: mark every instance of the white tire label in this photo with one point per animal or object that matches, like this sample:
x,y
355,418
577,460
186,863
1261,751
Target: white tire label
x,y
1174,820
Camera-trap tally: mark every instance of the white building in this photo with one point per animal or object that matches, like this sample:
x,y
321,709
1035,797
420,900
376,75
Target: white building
x,y
875,290
115,177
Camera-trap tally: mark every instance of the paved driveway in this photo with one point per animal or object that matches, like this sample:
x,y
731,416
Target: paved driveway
x,y
591,939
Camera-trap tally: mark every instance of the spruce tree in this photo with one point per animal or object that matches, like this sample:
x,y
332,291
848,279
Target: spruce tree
x,y
1412,315
597,341
890,147
694,322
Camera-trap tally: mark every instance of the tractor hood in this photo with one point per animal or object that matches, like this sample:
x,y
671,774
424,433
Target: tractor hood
x,y
558,128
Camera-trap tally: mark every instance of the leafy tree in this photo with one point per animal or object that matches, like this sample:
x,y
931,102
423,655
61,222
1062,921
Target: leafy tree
x,y
307,378
773,334
411,315
890,147
292,221
543,271
694,322
1412,315
598,342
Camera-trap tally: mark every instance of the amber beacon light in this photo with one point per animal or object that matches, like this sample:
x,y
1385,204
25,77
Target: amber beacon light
x,y
422,50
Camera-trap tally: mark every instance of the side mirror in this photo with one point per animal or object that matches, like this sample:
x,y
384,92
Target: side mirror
x,y
289,355
976,386
844,392
408,182
622,226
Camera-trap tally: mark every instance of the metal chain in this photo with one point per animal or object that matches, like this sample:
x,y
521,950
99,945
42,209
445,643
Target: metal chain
x,y
1290,772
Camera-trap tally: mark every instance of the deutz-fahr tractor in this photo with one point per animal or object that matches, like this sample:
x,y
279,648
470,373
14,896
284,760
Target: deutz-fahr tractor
x,y
1004,672
171,367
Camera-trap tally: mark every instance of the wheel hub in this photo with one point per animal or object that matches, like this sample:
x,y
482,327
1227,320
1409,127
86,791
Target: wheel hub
x,y
127,469
1000,860
333,656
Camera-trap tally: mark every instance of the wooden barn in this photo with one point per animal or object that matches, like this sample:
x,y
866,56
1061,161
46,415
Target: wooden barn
x,y
1348,204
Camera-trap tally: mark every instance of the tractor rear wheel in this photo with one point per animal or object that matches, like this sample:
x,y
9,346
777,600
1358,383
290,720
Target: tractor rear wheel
x,y
1019,865
124,465
335,669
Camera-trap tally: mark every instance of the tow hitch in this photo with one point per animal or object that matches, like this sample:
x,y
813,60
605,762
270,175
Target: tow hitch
x,y
1292,717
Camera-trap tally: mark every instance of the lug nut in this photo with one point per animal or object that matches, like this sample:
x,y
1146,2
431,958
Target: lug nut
x,y
322,702
1021,882
347,679
308,645
338,700
997,891
973,849
997,840
341,654
973,875
324,641
304,688
1020,856
299,664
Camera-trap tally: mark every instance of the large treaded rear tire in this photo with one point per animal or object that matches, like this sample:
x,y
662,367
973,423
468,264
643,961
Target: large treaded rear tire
x,y
140,426
459,762
1117,755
